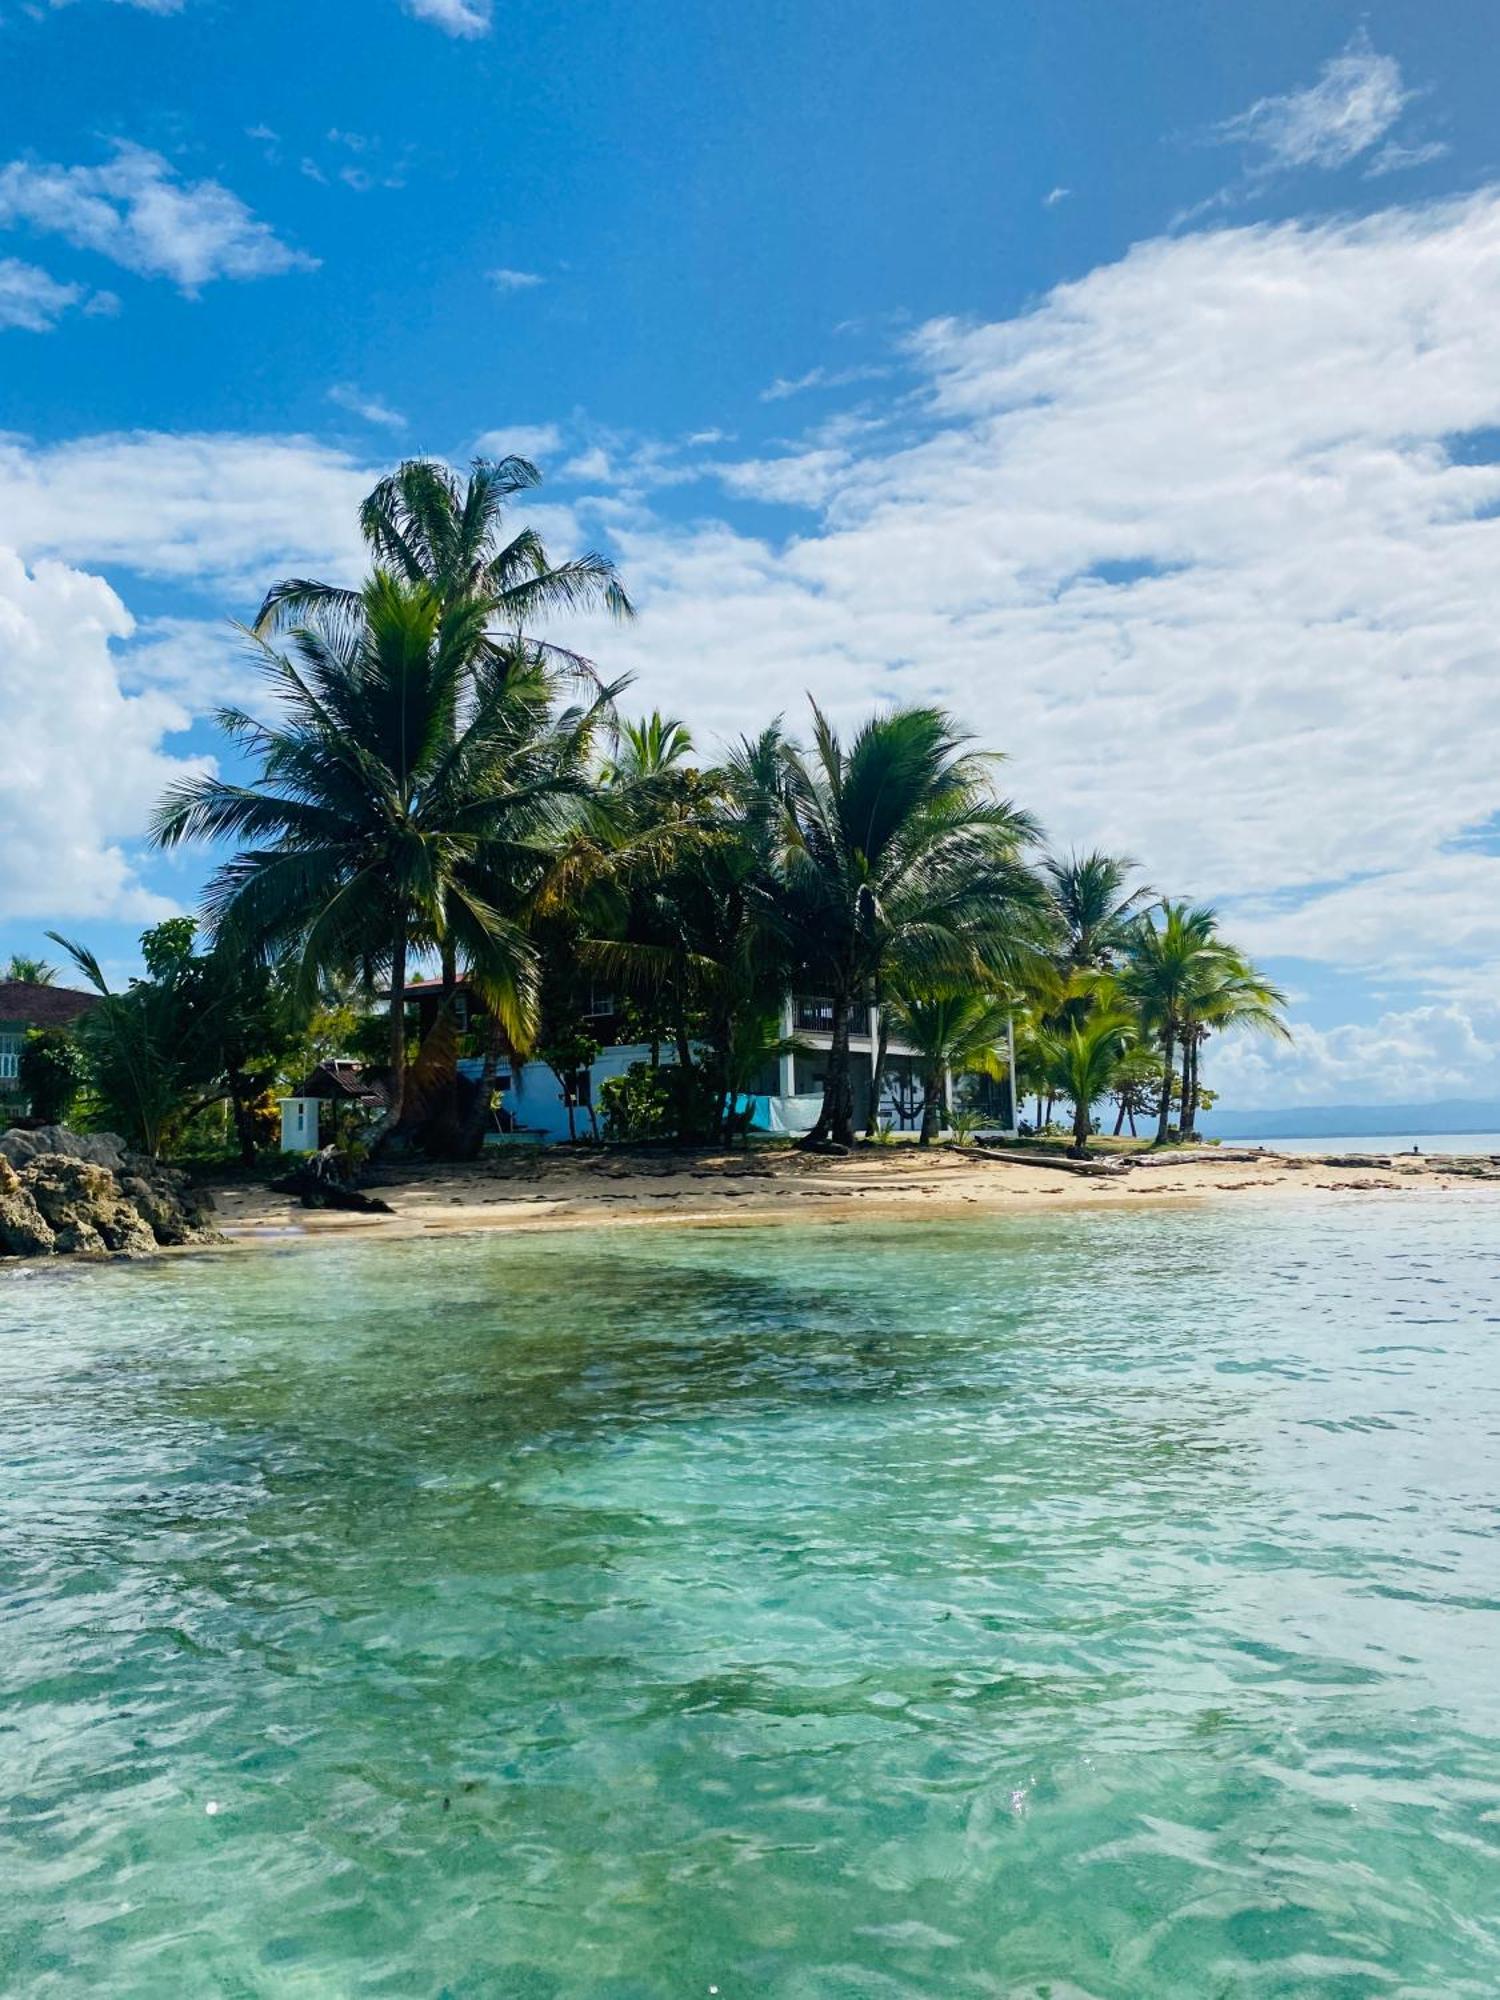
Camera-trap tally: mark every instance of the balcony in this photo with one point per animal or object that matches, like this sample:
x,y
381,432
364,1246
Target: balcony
x,y
815,1017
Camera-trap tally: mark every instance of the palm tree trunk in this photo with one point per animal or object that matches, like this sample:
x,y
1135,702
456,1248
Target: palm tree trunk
x,y
1081,1124
1191,1058
835,1126
882,1051
932,1091
1120,1121
471,1133
1164,1104
397,1103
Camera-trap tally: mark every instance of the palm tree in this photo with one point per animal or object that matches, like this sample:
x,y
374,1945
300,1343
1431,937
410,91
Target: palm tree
x,y
691,858
1093,907
424,526
407,798
1086,1061
1231,994
955,1033
30,971
1166,964
899,856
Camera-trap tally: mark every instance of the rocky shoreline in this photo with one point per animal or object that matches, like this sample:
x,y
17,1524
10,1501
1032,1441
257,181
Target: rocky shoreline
x,y
72,1194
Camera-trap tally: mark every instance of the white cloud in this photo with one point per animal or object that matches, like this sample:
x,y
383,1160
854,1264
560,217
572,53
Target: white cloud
x,y
139,213
821,378
368,408
1356,100
506,280
465,19
521,440
219,510
81,760
1054,196
1438,1050
1397,159
32,299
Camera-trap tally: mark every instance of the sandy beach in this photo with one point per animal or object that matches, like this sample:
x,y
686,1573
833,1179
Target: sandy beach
x,y
560,1189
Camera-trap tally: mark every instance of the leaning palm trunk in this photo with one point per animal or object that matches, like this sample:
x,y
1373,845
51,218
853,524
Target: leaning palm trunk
x,y
476,1116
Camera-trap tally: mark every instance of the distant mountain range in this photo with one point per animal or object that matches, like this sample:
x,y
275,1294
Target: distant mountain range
x,y
1316,1121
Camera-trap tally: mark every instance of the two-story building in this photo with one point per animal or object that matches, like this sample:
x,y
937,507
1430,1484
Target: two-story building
x,y
787,1098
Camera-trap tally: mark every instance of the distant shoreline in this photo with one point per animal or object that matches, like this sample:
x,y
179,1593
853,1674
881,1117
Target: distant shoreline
x,y
557,1190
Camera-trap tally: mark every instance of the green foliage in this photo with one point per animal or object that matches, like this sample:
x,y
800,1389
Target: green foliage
x,y
657,1102
902,867
1085,1062
30,971
637,1106
201,1029
52,1071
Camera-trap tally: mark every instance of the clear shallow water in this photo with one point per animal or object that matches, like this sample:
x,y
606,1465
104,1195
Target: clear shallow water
x,y
1101,1608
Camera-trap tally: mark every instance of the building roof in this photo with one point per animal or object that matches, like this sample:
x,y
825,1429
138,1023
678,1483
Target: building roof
x,y
42,1006
346,1082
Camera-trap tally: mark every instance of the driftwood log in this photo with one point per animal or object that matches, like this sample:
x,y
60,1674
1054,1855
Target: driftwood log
x,y
324,1180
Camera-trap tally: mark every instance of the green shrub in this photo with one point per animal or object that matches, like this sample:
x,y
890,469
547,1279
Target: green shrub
x,y
51,1074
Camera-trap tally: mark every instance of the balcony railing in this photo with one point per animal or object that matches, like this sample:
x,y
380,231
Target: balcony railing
x,y
815,1017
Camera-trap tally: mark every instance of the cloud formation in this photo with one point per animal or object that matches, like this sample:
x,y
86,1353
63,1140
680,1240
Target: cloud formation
x,y
80,769
465,19
369,409
1357,98
138,212
506,280
31,298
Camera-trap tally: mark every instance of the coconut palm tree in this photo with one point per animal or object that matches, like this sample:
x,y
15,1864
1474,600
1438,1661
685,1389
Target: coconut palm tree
x,y
425,526
30,971
1166,964
1086,1060
957,1032
1231,994
1093,906
899,857
699,928
407,797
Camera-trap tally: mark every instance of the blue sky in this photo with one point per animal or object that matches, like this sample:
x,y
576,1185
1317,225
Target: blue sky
x,y
1124,376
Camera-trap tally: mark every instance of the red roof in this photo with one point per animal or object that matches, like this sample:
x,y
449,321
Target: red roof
x,y
42,1006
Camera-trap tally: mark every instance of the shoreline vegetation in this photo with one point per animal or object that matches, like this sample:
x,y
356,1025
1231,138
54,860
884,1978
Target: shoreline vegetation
x,y
442,854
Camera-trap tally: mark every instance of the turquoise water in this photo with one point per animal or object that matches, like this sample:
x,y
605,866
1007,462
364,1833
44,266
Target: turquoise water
x,y
1098,1608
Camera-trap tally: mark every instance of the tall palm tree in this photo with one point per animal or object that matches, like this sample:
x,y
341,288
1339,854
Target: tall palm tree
x,y
956,1032
423,525
1093,906
30,971
1086,1061
699,928
1166,964
407,797
899,854
1231,994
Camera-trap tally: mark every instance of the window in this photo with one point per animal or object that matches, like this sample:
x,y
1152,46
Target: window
x,y
10,1058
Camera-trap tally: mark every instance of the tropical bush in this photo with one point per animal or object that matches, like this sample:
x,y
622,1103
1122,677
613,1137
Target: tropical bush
x,y
51,1074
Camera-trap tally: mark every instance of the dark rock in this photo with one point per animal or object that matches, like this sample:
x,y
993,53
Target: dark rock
x,y
98,1149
